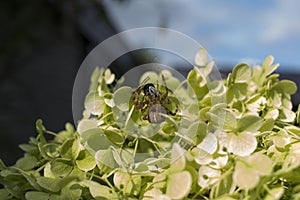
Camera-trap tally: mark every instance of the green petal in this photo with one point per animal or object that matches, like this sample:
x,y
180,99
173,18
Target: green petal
x,y
287,86
122,97
250,123
241,73
94,104
85,161
97,190
86,124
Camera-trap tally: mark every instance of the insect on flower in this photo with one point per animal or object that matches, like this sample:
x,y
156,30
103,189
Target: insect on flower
x,y
154,101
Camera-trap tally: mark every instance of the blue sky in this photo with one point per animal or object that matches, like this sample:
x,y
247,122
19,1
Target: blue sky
x,y
232,31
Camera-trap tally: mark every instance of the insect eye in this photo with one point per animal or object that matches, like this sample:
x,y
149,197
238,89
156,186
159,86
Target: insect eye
x,y
152,90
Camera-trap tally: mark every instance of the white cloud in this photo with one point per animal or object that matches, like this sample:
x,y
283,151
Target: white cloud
x,y
230,30
281,22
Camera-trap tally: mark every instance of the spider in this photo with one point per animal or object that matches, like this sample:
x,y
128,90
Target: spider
x,y
153,101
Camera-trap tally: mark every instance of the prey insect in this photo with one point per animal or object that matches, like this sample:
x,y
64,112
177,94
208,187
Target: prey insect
x,y
154,101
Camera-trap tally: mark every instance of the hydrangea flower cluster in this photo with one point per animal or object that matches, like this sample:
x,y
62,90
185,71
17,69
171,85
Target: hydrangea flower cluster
x,y
230,139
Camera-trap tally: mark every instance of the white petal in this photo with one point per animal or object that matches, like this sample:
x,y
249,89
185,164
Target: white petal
x,y
208,176
209,143
241,144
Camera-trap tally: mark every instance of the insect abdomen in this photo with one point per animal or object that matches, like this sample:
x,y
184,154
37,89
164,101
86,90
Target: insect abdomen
x,y
155,113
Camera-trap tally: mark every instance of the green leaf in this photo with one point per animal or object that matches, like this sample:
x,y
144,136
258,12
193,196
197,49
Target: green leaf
x,y
27,162
98,191
61,167
65,181
95,139
217,115
158,162
294,130
79,174
105,160
291,175
241,73
203,113
194,81
240,90
2,165
123,157
114,135
39,126
63,135
70,149
225,186
121,98
33,195
5,195
71,192
287,86
230,122
267,125
85,161
141,167
196,132
250,123
28,148
31,178
49,184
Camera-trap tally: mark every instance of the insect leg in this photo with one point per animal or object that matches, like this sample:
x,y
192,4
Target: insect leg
x,y
166,88
169,112
136,96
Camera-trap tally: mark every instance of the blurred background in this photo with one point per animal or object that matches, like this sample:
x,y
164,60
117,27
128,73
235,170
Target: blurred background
x,y
43,42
